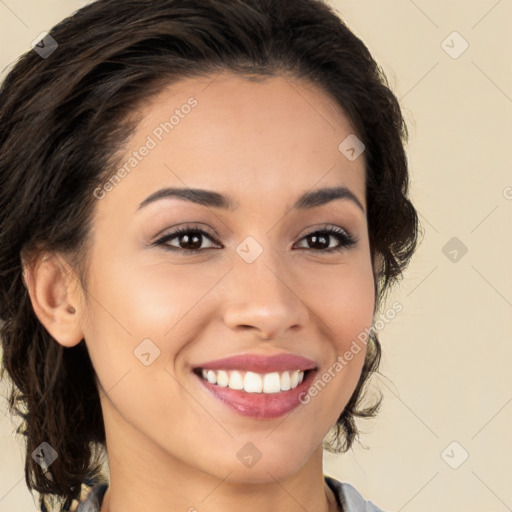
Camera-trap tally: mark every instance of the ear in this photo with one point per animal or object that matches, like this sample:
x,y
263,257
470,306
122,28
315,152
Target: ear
x,y
52,285
378,266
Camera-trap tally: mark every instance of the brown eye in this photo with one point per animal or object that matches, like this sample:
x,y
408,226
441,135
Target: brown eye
x,y
189,239
319,241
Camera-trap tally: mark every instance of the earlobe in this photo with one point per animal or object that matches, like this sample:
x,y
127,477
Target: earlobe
x,y
49,283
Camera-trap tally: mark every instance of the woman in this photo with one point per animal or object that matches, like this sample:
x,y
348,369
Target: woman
x,y
203,204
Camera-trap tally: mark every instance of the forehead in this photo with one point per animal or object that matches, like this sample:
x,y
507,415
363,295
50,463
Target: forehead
x,y
254,106
226,132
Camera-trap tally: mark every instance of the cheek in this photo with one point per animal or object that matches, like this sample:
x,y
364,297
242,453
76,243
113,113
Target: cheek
x,y
136,310
353,308
145,301
344,298
344,301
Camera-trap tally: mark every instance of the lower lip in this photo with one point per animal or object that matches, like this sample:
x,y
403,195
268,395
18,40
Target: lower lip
x,y
260,405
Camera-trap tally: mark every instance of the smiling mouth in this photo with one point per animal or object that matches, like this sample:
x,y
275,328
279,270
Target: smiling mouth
x,y
252,382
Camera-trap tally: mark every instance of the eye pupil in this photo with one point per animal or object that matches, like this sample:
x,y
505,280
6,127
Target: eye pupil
x,y
324,243
196,244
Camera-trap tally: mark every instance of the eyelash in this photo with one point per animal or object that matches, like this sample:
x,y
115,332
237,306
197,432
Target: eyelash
x,y
346,240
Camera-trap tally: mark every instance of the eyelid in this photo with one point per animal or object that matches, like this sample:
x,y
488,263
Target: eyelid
x,y
326,227
194,226
198,225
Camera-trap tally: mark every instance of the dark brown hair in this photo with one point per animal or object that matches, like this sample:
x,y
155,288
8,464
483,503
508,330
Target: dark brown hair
x,y
63,119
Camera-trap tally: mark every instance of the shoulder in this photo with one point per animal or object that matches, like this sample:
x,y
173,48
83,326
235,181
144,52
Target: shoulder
x,y
350,498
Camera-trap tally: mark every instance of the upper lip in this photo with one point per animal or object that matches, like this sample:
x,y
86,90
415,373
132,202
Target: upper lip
x,y
261,364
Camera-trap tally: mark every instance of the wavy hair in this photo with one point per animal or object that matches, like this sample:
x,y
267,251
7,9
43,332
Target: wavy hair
x,y
64,118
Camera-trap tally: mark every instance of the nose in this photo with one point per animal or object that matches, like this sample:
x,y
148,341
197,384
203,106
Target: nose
x,y
265,298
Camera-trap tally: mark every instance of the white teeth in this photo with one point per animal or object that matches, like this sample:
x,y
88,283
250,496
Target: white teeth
x,y
222,378
271,383
211,376
252,382
285,381
294,379
236,381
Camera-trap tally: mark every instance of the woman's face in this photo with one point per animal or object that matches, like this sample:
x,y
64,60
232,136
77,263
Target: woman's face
x,y
262,280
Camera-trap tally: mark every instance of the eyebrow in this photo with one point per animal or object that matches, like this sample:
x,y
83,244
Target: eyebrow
x,y
212,199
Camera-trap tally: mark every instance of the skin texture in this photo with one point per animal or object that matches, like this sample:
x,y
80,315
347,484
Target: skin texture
x,y
171,445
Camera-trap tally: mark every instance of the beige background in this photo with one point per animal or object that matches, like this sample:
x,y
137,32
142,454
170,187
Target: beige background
x,y
447,354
